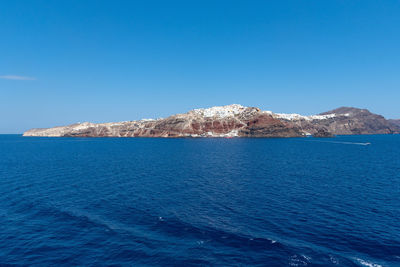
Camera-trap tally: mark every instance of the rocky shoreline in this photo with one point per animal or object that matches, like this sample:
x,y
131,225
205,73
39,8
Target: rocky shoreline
x,y
234,121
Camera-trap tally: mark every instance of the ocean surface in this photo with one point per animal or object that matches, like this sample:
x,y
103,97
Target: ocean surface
x,y
200,202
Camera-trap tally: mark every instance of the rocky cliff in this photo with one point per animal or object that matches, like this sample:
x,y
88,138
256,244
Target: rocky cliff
x,y
345,121
395,122
233,121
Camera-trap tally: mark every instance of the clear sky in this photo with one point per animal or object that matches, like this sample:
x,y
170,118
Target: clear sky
x,y
72,61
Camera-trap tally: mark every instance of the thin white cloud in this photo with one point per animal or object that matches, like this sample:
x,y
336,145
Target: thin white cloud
x,y
17,77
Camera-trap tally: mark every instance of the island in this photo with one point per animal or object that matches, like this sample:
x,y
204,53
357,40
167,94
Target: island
x,y
234,121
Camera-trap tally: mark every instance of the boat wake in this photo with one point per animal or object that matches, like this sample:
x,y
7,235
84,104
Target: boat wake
x,y
344,143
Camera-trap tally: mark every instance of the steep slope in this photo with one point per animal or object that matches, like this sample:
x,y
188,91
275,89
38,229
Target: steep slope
x,y
343,121
359,121
395,122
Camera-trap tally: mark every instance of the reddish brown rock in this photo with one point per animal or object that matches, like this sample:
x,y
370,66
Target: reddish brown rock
x,y
265,125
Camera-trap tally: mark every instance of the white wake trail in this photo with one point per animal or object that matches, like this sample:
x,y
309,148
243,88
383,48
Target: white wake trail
x,y
339,142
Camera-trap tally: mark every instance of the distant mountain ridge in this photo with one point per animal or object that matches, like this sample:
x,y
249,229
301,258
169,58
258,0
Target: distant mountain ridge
x,y
234,121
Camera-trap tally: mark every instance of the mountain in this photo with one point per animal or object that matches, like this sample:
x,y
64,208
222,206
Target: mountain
x,y
362,122
233,121
347,121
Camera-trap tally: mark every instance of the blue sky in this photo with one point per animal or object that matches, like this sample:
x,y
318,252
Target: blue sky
x,y
67,61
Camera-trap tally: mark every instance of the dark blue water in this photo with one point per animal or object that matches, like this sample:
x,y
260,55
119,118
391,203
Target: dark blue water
x,y
200,202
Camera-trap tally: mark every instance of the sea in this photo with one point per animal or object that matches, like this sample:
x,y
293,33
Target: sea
x,y
200,201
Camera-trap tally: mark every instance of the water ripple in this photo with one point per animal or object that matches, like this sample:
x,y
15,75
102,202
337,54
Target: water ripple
x,y
199,202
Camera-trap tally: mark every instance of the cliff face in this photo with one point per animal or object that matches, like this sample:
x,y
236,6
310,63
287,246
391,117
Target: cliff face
x,y
395,122
360,121
346,121
232,121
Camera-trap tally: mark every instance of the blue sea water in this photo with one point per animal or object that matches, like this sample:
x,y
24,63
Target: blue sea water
x,y
200,202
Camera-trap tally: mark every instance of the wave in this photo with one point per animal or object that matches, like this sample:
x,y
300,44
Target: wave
x,y
175,227
367,263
